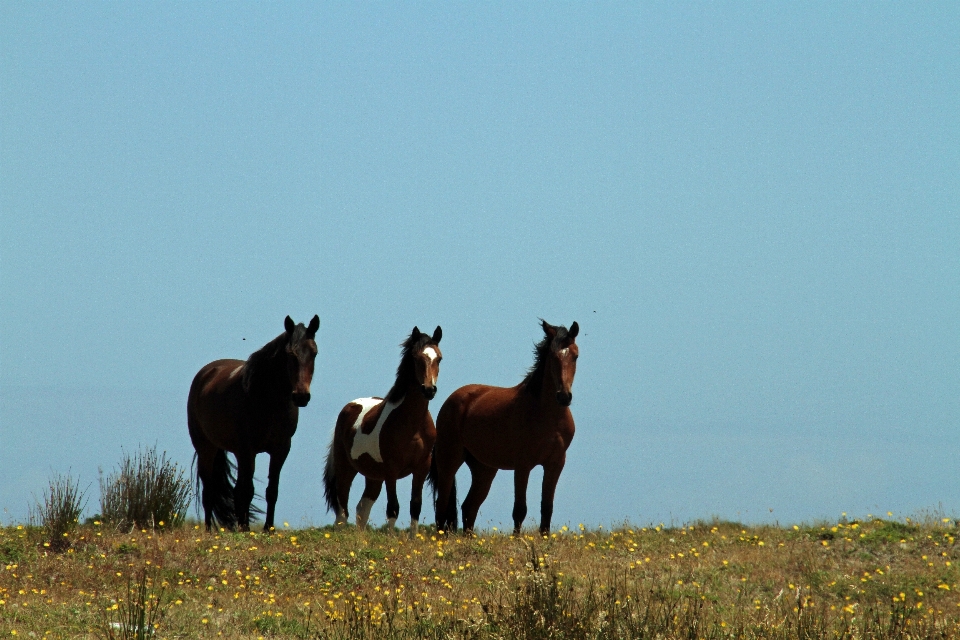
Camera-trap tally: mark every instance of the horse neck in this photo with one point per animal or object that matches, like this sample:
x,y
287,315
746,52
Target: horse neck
x,y
547,399
270,379
413,406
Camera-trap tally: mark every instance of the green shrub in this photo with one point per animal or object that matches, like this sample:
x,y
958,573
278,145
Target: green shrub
x,y
58,514
148,491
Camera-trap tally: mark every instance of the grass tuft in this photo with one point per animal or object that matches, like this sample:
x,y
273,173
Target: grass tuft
x,y
148,491
59,513
138,615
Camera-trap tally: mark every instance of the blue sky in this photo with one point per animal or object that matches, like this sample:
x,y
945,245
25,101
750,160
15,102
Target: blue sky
x,y
752,210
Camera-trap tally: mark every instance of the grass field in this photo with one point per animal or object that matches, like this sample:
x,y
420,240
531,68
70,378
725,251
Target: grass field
x,y
875,578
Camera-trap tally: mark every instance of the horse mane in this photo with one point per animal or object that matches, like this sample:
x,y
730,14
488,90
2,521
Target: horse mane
x,y
534,378
405,370
260,359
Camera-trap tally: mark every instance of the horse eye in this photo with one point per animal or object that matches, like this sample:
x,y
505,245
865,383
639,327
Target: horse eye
x,y
576,355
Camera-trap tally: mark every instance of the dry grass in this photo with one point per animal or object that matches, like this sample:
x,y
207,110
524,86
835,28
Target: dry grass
x,y
878,578
146,490
58,514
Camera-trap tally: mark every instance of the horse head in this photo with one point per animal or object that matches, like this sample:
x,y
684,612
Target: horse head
x,y
426,360
301,351
562,361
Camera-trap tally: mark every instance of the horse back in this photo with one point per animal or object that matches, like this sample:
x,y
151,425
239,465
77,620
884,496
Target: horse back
x,y
218,407
504,427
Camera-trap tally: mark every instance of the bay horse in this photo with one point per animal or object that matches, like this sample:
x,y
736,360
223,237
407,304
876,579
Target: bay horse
x,y
518,428
386,439
248,408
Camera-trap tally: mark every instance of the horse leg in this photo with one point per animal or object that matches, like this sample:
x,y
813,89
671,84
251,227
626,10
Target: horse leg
x,y
243,492
416,498
393,505
345,478
277,458
482,478
520,478
551,474
446,505
345,473
370,494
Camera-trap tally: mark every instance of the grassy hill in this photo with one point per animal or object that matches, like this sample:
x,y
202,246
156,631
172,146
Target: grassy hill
x,y
876,578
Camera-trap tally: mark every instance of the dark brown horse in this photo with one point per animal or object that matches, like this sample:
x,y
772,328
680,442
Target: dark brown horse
x,y
248,408
493,428
389,439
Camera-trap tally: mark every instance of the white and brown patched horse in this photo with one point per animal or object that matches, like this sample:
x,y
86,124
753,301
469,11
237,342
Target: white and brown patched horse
x,y
386,439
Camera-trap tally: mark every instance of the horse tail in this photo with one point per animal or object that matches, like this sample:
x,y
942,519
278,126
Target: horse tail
x,y
330,477
452,511
220,486
433,475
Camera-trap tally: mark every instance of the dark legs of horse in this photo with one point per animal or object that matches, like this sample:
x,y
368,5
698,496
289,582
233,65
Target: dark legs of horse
x,y
345,474
393,505
551,475
416,498
207,498
520,478
370,494
277,458
482,478
448,460
243,492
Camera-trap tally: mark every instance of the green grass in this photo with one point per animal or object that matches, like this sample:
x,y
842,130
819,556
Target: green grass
x,y
876,578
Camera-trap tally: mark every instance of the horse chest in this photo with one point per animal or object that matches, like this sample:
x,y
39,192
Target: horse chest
x,y
267,428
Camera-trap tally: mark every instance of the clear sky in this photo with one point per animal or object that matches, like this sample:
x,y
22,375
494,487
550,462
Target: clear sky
x,y
752,210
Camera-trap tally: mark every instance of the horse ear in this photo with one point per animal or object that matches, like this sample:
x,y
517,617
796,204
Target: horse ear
x,y
314,325
415,333
437,334
574,330
549,329
288,324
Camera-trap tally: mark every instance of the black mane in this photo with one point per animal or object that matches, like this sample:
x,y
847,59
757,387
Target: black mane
x,y
258,365
405,370
534,378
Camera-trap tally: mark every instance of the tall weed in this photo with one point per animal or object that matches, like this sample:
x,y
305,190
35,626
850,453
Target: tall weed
x,y
147,491
60,510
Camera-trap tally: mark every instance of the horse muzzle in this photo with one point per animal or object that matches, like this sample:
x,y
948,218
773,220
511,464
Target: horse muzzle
x,y
429,392
564,398
301,399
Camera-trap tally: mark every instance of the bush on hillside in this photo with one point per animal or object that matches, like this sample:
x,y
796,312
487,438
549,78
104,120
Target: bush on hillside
x,y
60,510
146,492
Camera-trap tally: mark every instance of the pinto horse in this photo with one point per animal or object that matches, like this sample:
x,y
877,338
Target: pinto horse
x,y
387,439
248,408
517,428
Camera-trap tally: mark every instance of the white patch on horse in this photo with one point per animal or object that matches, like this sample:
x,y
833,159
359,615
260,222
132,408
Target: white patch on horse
x,y
564,352
236,371
431,353
370,442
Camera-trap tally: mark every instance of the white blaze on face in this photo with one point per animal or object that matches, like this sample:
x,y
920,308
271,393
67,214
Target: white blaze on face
x,y
236,371
370,442
432,354
564,353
